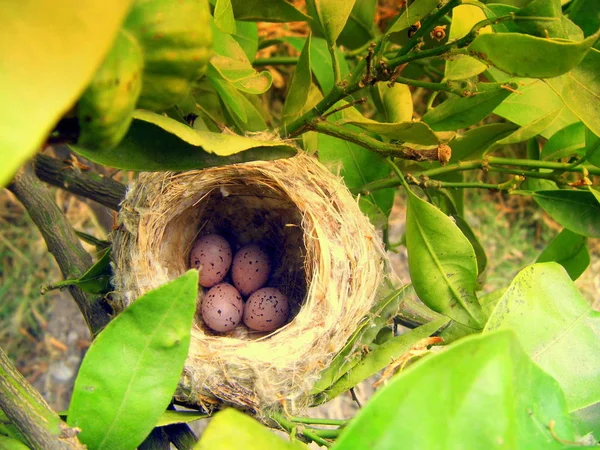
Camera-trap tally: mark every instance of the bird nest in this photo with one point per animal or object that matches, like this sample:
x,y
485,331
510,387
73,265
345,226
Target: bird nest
x,y
328,257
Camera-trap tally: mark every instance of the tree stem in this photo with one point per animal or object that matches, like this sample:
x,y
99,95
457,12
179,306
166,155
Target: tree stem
x,y
30,414
62,242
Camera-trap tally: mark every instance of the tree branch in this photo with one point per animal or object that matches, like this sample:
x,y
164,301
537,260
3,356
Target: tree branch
x,y
62,242
103,190
30,414
398,151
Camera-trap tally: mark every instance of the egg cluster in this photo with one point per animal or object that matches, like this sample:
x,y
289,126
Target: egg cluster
x,y
223,307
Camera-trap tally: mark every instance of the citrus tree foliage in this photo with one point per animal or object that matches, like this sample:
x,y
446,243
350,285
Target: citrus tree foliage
x,y
175,85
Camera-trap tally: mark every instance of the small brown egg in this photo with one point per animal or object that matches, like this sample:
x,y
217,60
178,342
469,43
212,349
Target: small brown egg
x,y
251,269
266,310
211,254
222,307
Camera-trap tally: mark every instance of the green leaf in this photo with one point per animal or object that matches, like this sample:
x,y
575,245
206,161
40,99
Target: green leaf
x,y
533,100
565,341
8,443
131,370
580,90
255,121
229,428
528,56
570,250
332,16
407,132
592,147
395,102
357,165
442,263
412,14
587,420
579,211
230,97
585,14
223,15
267,11
484,392
553,23
46,65
231,63
474,143
364,335
565,142
170,417
480,255
156,142
360,27
320,60
462,112
530,130
459,67
382,356
96,280
299,86
247,36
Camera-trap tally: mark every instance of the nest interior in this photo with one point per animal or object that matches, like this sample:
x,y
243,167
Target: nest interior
x,y
327,259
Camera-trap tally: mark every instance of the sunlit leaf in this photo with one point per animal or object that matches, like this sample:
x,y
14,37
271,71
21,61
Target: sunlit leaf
x,y
50,52
565,340
414,12
459,67
116,405
484,392
565,142
442,263
267,11
332,16
299,86
223,15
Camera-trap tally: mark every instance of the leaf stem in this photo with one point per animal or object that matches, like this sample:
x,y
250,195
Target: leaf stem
x,y
429,85
318,421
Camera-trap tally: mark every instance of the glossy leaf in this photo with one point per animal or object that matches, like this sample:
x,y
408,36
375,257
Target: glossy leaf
x,y
570,250
357,166
267,11
231,63
576,210
568,141
130,372
382,356
462,112
320,60
580,90
394,102
480,255
332,16
484,392
565,341
229,428
474,142
459,67
223,15
156,142
412,14
46,65
299,86
442,263
169,417
528,56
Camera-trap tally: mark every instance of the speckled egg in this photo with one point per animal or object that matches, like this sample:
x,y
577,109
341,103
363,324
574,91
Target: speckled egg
x,y
266,310
212,255
251,269
222,307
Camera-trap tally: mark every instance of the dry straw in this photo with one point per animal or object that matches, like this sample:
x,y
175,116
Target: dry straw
x,y
330,263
